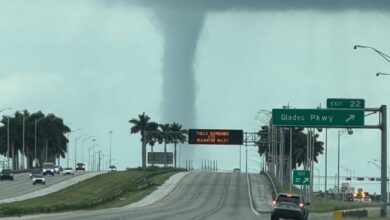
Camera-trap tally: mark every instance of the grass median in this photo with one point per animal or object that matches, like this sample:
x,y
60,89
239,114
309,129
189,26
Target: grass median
x,y
111,189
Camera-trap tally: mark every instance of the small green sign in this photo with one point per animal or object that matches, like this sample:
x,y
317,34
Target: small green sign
x,y
318,117
345,103
380,179
301,177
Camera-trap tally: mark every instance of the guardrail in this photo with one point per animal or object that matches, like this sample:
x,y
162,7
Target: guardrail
x,y
275,192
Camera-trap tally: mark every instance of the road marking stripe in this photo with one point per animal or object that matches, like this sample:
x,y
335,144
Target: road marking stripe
x,y
250,195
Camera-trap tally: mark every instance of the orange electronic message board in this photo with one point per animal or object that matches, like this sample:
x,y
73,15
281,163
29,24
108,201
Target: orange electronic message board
x,y
215,136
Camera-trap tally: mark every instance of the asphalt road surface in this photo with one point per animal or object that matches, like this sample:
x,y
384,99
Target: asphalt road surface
x,y
22,184
199,196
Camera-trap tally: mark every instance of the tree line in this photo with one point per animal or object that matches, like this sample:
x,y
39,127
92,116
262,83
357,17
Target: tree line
x,y
173,133
43,136
299,144
153,132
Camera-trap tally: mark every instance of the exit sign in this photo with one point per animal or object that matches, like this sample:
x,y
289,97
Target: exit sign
x,y
345,103
318,117
301,177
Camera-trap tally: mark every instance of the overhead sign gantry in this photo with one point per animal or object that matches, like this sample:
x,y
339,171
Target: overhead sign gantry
x,y
340,113
215,136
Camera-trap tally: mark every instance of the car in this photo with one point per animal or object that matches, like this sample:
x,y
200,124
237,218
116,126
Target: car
x,y
35,171
289,206
6,174
236,170
38,178
112,168
68,171
48,169
366,199
57,169
80,166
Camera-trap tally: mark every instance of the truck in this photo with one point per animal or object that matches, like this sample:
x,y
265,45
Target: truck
x,y
48,169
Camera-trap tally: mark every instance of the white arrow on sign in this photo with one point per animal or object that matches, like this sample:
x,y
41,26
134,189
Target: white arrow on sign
x,y
306,180
351,117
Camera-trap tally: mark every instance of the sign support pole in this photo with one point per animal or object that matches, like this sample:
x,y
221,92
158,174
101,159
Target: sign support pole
x,y
384,192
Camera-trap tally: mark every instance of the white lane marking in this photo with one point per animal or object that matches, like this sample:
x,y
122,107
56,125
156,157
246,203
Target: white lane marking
x,y
250,195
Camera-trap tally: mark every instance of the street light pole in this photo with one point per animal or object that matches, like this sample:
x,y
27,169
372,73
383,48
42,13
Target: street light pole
x,y
385,56
110,147
289,175
8,142
35,144
82,147
24,152
75,149
340,132
326,162
67,147
385,74
35,140
379,167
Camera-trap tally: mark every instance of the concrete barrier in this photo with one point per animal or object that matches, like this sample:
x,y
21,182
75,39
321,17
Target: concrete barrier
x,y
350,213
355,213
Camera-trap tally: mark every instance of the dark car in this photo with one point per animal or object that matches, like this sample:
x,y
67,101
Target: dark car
x,y
35,171
80,166
112,168
6,174
289,206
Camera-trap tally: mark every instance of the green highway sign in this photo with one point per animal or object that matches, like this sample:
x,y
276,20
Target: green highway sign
x,y
318,117
301,177
345,103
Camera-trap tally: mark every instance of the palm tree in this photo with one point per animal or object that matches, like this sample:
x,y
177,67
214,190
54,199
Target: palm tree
x,y
153,136
167,136
178,135
51,134
56,140
299,145
142,125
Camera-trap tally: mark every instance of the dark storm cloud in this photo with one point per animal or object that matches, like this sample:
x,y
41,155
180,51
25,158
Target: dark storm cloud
x,y
181,23
259,5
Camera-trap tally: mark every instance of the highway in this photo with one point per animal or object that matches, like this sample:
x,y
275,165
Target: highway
x,y
22,184
200,195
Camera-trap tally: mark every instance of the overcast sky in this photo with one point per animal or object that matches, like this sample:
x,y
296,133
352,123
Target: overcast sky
x,y
97,65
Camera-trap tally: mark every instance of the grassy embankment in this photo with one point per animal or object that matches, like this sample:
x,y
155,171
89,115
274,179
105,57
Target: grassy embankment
x,y
112,189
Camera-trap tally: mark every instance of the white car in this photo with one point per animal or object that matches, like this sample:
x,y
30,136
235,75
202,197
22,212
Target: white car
x,y
57,169
112,168
38,178
68,171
